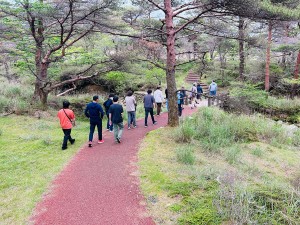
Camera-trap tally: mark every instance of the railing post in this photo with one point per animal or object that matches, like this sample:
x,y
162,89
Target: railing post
x,y
209,101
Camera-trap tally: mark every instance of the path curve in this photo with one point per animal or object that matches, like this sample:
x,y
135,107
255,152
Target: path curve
x,y
100,185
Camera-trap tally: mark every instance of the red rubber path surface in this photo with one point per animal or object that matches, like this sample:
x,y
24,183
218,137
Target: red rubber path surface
x,y
99,185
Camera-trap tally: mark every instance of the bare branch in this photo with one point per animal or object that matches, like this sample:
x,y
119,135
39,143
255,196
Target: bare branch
x,y
153,63
156,5
67,91
191,21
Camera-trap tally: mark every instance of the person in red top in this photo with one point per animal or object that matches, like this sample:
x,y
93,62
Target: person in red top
x,y
66,117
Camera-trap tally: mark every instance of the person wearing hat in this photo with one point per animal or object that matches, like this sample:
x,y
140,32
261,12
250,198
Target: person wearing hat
x,y
95,112
67,118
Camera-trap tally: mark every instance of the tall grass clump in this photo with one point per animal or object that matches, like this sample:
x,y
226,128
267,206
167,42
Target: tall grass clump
x,y
185,155
269,204
14,97
215,129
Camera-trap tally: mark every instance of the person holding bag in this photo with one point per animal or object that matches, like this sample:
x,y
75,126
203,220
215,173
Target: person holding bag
x,y
67,121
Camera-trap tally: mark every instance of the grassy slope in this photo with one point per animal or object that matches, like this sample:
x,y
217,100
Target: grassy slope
x,y
194,183
30,158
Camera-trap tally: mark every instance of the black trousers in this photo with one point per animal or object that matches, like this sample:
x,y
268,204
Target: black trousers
x,y
158,108
147,111
67,137
93,124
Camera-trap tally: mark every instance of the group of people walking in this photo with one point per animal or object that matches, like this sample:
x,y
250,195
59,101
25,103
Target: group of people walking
x,y
114,112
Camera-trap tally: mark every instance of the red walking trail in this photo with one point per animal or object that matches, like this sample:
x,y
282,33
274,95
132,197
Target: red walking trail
x,y
99,185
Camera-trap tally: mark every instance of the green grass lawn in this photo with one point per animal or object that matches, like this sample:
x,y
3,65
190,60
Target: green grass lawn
x,y
30,158
219,168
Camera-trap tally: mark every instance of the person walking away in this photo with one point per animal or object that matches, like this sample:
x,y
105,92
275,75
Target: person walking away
x,y
184,96
193,95
158,97
213,87
199,91
67,118
115,113
179,102
167,105
106,105
130,108
149,104
95,112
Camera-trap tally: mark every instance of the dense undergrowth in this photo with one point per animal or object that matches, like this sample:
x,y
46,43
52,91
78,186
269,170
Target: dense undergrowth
x,y
280,108
219,168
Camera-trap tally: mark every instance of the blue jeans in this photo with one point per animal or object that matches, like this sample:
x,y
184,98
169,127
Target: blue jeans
x,y
167,105
131,118
147,111
93,124
212,93
109,127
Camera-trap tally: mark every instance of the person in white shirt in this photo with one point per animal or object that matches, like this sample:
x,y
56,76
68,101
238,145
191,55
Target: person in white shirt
x,y
158,97
130,108
193,95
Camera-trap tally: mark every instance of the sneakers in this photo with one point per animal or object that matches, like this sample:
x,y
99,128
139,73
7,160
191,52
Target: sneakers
x,y
110,131
129,128
135,126
146,125
100,141
64,148
155,122
72,141
90,144
118,140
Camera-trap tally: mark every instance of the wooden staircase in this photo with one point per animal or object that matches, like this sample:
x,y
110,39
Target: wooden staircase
x,y
195,78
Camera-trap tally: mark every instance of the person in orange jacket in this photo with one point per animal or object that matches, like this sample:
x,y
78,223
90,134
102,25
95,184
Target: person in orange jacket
x,y
67,118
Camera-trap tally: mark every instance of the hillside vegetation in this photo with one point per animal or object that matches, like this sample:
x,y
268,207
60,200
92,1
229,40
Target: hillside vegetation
x,y
219,168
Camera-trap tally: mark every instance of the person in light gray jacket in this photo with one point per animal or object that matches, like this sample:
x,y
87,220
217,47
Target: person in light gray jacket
x,y
130,108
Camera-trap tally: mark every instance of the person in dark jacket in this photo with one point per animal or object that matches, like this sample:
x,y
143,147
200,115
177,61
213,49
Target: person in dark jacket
x,y
95,112
106,105
199,91
149,104
116,115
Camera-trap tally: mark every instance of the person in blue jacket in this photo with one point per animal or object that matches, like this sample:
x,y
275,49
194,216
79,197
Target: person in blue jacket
x,y
95,112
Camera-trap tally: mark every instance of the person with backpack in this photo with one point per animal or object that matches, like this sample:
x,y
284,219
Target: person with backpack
x,y
179,102
106,105
95,112
199,91
116,119
130,108
67,119
213,87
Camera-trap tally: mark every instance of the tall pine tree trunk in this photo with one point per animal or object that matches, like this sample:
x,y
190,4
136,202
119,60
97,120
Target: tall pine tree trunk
x,y
41,65
171,63
241,47
268,57
296,71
